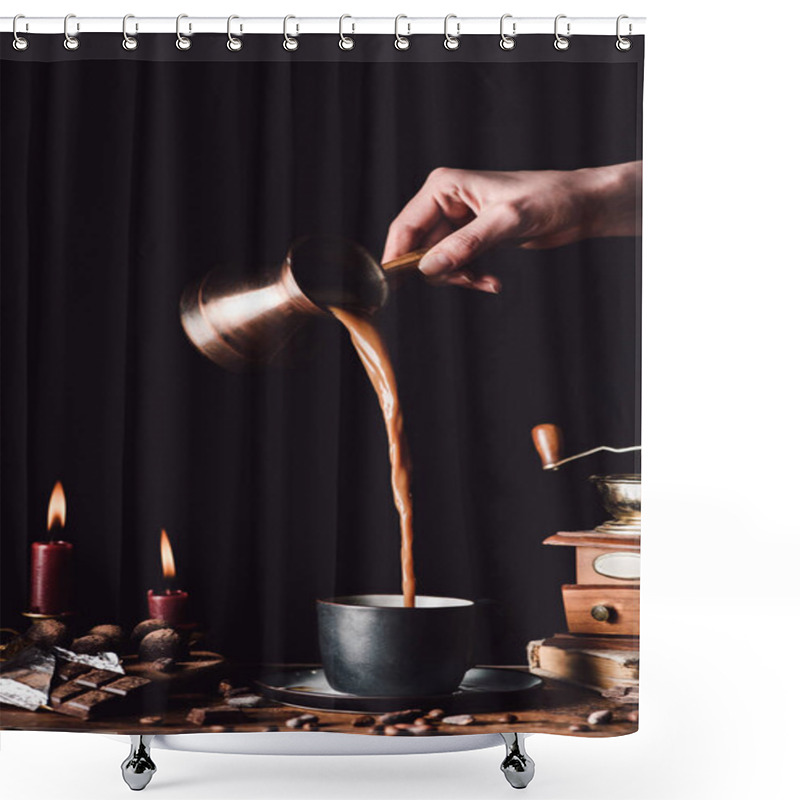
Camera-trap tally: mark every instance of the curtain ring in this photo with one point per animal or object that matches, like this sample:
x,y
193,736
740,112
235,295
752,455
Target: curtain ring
x,y
623,44
129,42
289,42
401,42
346,42
234,43
70,42
20,42
507,42
561,42
451,42
182,42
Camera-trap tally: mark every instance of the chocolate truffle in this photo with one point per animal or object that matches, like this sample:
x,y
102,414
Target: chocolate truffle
x,y
92,644
112,632
48,633
145,627
162,643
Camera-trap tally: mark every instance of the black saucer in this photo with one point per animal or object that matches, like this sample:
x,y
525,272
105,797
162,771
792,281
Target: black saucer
x,y
484,689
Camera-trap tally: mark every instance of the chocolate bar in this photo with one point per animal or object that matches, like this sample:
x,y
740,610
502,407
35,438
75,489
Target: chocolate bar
x,y
95,678
71,669
119,696
124,686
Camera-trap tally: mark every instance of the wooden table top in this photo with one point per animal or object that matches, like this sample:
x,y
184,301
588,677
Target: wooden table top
x,y
558,706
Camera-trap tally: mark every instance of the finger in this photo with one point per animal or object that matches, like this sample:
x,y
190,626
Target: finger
x,y
464,244
412,224
482,283
423,213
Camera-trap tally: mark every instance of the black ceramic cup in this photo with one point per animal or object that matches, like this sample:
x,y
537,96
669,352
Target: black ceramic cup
x,y
373,646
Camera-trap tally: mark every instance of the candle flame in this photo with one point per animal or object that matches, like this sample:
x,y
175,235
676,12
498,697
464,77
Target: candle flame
x,y
167,559
57,509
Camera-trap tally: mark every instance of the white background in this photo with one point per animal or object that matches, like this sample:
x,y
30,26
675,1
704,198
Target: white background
x,y
719,713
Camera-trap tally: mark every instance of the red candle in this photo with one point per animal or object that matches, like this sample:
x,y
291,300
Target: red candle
x,y
51,563
171,604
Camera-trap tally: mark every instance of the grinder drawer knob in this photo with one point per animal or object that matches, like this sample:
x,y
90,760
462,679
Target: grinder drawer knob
x,y
602,613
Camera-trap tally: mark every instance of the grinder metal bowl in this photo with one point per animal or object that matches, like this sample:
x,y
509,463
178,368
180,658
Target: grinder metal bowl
x,y
622,498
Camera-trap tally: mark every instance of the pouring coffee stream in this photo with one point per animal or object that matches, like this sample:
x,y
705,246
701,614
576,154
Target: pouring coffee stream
x,y
244,322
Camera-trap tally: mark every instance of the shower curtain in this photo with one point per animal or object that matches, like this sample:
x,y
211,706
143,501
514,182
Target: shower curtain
x,y
199,525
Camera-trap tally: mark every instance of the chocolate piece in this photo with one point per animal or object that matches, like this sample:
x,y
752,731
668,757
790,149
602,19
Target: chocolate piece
x,y
602,717
145,627
163,643
214,715
459,719
71,669
112,632
95,678
90,704
409,715
48,633
303,719
91,644
64,692
124,686
363,721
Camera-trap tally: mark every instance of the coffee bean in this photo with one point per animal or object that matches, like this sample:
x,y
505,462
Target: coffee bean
x,y
151,720
602,717
225,686
303,719
435,714
363,721
633,716
459,719
409,715
393,730
421,730
578,728
507,718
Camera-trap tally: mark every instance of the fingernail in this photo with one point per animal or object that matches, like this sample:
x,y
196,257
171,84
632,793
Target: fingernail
x,y
434,263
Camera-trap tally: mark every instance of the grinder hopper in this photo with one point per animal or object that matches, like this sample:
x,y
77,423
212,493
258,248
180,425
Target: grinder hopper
x,y
621,495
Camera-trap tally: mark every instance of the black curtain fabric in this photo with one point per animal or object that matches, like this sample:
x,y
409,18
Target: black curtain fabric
x,y
125,176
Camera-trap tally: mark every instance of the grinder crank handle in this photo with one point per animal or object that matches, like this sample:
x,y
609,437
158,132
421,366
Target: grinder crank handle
x,y
549,440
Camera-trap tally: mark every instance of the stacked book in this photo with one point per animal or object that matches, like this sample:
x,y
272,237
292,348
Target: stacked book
x,y
607,664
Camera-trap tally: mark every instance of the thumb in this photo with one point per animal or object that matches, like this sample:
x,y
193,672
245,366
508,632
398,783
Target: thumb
x,y
460,247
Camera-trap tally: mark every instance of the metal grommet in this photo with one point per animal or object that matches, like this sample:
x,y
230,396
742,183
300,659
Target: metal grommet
x,y
182,42
561,42
346,42
129,42
451,42
289,42
623,44
401,42
507,42
70,42
234,44
20,42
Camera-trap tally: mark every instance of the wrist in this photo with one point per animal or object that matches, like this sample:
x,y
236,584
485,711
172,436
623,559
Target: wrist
x,y
611,199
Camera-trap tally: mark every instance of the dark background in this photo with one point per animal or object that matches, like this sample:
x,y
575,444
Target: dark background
x,y
123,180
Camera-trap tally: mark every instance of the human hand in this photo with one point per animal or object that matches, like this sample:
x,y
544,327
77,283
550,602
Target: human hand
x,y
460,214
